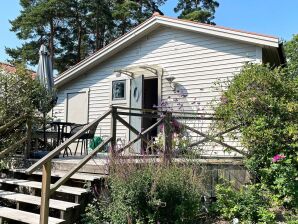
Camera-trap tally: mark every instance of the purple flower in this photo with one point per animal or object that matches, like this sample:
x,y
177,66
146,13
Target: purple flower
x,y
277,157
161,127
176,126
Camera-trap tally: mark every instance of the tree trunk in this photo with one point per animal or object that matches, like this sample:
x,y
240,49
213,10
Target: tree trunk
x,y
97,35
79,43
52,34
102,37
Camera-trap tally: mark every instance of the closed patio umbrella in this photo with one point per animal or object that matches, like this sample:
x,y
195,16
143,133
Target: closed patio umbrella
x,y
45,77
44,69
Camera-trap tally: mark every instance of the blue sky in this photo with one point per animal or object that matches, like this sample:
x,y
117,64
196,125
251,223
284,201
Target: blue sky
x,y
273,17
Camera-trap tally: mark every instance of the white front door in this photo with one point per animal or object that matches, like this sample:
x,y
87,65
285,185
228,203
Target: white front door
x,y
136,101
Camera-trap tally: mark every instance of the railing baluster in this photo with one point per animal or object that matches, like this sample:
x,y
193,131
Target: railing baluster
x,y
139,136
126,124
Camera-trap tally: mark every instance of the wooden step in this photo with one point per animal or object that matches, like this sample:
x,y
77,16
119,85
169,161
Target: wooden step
x,y
37,185
29,199
76,176
59,173
25,217
94,166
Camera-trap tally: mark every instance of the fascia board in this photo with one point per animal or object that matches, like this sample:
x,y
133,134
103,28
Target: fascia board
x,y
221,32
153,23
111,49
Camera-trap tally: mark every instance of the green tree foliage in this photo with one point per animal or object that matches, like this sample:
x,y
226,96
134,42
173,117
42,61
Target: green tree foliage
x,y
20,98
265,102
74,29
197,10
39,22
250,204
291,50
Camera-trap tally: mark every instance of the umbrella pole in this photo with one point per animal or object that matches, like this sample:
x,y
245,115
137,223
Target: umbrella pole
x,y
44,130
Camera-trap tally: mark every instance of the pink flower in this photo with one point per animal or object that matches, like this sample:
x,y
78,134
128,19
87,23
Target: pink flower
x,y
176,126
161,127
277,157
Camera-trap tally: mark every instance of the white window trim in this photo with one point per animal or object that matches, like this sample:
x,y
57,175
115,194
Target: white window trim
x,y
127,91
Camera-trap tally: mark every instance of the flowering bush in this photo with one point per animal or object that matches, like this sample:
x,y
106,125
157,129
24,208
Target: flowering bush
x,y
278,157
149,194
265,102
179,141
180,138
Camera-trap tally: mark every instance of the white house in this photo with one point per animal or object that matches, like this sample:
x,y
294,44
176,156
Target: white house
x,y
161,50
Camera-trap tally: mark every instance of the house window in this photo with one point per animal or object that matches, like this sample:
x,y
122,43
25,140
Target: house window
x,y
118,90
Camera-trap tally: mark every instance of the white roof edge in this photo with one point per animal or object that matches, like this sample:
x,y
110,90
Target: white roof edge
x,y
252,38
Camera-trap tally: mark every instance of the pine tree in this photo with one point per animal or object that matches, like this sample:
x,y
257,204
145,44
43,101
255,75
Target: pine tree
x,y
197,10
39,22
74,29
100,23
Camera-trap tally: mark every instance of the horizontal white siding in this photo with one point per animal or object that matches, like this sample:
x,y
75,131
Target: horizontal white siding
x,y
196,61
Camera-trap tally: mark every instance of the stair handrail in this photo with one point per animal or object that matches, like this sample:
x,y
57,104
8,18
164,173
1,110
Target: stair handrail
x,y
13,147
26,139
66,177
45,162
65,144
9,125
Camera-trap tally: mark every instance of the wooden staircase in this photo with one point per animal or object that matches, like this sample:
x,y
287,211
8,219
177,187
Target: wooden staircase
x,y
20,197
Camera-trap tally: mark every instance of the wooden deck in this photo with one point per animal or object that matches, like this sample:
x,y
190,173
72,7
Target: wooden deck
x,y
91,165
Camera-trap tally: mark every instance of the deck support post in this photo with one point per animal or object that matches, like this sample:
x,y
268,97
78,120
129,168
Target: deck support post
x,y
168,135
113,130
45,193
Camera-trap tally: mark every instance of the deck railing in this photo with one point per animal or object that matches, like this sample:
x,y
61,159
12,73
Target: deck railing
x,y
163,117
26,139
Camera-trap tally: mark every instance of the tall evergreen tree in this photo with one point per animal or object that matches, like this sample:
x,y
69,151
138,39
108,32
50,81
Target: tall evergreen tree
x,y
197,10
130,13
73,29
39,22
100,23
73,45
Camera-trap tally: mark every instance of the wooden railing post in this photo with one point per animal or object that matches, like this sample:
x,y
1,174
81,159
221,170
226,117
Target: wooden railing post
x,y
167,131
29,138
45,192
113,130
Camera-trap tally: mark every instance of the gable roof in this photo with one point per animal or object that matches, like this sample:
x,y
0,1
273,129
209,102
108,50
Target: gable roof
x,y
152,24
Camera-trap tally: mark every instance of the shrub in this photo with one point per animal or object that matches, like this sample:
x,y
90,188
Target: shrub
x,y
265,102
291,50
151,194
21,96
250,204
